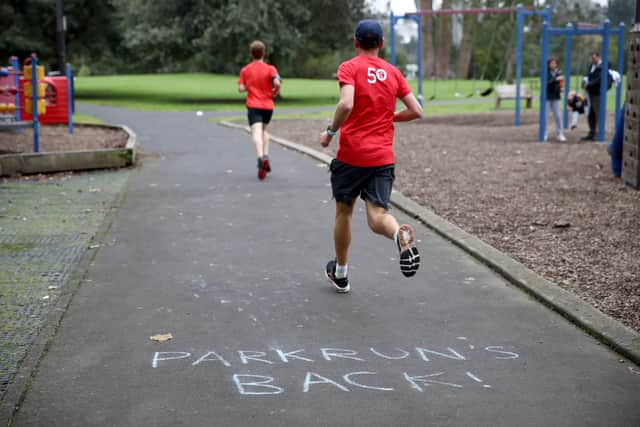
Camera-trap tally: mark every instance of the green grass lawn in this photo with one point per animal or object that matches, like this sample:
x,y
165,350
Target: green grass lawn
x,y
85,118
212,92
186,92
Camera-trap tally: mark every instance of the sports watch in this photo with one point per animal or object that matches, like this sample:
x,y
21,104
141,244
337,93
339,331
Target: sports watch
x,y
331,132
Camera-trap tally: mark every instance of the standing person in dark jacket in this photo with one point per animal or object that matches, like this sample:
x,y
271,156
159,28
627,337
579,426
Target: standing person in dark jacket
x,y
591,84
554,86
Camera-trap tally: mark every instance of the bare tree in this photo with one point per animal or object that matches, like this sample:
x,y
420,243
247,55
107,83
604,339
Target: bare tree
x,y
466,45
444,42
428,52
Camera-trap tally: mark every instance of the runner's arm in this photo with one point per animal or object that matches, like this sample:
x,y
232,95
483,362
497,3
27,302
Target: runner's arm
x,y
343,109
241,87
413,110
276,85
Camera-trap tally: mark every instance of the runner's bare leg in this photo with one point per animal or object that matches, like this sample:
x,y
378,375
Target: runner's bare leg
x,y
265,140
342,231
256,136
380,221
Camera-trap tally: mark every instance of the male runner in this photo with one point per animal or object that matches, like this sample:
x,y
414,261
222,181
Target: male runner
x,y
262,83
364,164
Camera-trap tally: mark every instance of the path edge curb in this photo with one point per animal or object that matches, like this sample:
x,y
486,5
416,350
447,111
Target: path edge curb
x,y
28,367
76,160
606,329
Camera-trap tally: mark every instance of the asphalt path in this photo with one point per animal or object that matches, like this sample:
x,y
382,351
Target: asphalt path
x,y
232,268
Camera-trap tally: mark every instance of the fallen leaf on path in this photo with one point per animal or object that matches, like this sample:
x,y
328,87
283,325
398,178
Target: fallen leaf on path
x,y
161,337
561,224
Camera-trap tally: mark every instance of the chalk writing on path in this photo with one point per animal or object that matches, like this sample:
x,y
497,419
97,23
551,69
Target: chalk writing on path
x,y
416,376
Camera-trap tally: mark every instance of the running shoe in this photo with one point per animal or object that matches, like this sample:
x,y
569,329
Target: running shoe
x,y
266,164
341,285
262,172
409,256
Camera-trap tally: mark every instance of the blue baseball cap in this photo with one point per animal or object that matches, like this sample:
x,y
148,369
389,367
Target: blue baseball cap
x,y
369,33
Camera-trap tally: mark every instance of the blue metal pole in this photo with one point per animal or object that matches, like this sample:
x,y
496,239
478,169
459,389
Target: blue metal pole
x,y
543,81
34,91
420,71
392,37
604,79
620,69
519,26
70,96
16,83
546,14
567,73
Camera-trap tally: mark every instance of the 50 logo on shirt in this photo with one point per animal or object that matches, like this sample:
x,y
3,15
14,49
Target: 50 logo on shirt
x,y
374,75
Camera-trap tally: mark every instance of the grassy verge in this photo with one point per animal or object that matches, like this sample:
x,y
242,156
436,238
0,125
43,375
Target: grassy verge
x,y
210,92
86,119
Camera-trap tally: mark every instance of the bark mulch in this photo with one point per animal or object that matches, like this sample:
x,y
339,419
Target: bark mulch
x,y
57,138
555,207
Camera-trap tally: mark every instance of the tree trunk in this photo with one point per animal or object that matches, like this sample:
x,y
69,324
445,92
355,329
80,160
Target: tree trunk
x,y
428,52
509,71
466,45
444,42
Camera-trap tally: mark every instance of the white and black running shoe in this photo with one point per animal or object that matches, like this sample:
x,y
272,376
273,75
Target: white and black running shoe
x,y
409,256
342,284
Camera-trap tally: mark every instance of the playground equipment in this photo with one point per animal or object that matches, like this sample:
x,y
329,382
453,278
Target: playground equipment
x,y
52,97
521,11
569,32
631,139
56,97
9,93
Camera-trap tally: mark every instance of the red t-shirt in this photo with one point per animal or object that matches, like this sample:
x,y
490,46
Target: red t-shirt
x,y
366,137
258,78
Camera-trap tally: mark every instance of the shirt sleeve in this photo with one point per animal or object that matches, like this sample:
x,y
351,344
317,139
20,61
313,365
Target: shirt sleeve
x,y
274,73
241,80
403,87
346,74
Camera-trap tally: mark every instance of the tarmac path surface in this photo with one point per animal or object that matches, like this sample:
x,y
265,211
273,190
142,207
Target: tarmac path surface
x,y
233,269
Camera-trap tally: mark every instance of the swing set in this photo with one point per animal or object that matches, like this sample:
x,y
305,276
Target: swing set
x,y
606,32
521,13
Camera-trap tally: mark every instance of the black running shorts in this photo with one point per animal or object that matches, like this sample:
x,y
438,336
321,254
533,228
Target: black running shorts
x,y
371,183
259,115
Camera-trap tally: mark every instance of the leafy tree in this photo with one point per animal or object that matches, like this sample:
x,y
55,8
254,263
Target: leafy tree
x,y
92,35
214,35
184,35
621,11
27,26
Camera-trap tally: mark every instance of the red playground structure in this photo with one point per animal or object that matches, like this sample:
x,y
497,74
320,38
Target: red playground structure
x,y
29,98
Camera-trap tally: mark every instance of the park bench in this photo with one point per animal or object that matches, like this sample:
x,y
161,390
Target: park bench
x,y
509,92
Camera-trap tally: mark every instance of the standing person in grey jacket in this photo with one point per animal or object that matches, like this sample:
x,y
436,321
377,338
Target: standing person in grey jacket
x,y
554,88
591,84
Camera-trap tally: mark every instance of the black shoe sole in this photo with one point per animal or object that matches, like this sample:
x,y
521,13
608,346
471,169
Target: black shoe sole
x,y
409,262
409,255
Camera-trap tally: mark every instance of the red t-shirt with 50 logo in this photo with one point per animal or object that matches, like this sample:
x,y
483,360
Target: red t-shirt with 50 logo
x,y
366,137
